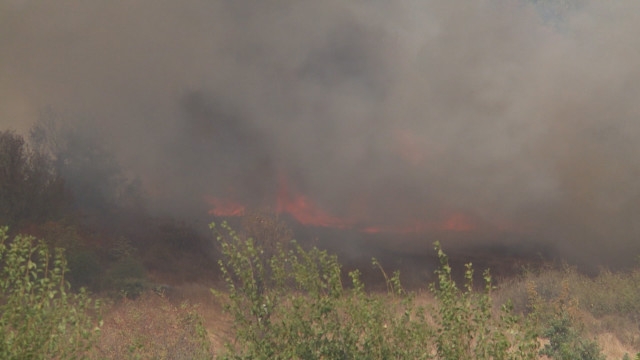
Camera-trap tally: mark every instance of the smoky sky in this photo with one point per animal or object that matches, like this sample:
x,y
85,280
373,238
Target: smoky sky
x,y
514,112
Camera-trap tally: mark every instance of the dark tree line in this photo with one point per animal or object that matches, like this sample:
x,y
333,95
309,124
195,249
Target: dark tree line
x,y
59,169
31,190
91,172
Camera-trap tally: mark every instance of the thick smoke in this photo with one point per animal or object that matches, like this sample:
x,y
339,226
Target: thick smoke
x,y
525,118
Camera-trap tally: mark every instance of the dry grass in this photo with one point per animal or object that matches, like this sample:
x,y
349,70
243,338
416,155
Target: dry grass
x,y
612,347
152,327
606,307
164,327
217,323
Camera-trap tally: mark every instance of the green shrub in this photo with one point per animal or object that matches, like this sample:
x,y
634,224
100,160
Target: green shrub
x,y
565,342
39,318
466,326
293,305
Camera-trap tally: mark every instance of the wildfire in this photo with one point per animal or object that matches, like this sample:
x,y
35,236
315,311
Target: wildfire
x,y
224,208
304,210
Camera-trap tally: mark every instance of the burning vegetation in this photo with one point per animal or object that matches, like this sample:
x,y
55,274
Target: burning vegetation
x,y
507,116
505,130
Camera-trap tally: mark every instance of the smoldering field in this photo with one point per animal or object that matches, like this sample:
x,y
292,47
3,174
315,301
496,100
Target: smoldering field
x,y
524,116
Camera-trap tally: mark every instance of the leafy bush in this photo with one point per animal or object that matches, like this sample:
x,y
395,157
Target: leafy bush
x,y
466,327
39,318
565,342
294,305
302,309
559,319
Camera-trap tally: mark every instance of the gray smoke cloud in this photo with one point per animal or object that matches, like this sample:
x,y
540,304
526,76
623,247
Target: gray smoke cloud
x,y
511,112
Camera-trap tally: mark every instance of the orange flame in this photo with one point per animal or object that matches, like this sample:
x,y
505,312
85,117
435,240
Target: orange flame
x,y
304,210
223,207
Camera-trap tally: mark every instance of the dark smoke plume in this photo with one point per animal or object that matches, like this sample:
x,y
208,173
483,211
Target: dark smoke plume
x,y
515,112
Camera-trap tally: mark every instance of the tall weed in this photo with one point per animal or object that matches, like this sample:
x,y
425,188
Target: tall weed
x,y
293,304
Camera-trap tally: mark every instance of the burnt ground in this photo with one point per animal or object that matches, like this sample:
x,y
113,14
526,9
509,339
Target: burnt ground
x,y
505,254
